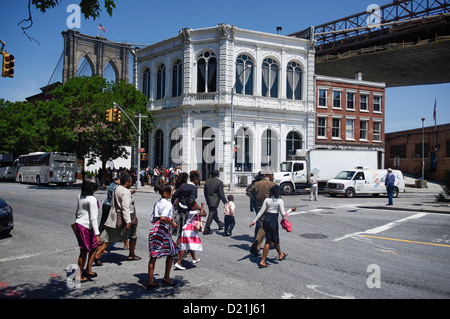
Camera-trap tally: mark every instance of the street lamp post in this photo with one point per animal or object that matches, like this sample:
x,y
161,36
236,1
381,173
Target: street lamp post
x,y
231,188
138,131
423,150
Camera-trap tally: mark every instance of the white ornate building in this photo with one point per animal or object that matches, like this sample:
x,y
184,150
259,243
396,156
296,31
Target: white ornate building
x,y
189,80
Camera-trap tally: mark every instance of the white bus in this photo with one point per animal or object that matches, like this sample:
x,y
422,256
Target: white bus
x,y
44,168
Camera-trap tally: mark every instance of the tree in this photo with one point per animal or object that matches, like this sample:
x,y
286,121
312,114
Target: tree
x,y
87,99
89,8
21,127
75,121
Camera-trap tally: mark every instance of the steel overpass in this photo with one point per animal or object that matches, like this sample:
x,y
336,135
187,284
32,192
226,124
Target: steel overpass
x,y
403,43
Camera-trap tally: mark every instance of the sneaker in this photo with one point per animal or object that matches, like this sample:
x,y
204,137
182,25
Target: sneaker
x,y
179,267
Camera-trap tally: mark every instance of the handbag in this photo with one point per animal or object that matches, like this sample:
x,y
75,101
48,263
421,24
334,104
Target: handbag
x,y
286,224
120,223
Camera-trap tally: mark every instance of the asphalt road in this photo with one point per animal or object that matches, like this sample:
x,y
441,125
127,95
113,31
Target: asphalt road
x,y
335,251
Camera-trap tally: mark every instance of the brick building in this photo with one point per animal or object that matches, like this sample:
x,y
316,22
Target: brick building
x,y
404,151
350,114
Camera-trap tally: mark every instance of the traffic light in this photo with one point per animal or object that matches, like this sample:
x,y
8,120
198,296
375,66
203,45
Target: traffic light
x,y
109,115
117,115
8,65
144,157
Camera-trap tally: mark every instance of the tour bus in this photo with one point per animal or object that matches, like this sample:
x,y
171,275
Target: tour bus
x,y
44,168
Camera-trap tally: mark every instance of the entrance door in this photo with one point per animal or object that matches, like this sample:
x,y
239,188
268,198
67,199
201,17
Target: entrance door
x,y
205,143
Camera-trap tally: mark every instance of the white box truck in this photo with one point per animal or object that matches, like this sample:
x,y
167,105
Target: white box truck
x,y
324,163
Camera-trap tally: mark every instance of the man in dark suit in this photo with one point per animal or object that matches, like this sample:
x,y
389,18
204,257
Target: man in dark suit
x,y
213,194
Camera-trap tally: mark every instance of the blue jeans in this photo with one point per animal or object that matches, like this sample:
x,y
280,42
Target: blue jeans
x,y
390,193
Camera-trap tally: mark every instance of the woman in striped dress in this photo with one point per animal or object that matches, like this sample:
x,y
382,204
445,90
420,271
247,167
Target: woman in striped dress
x,y
160,240
190,239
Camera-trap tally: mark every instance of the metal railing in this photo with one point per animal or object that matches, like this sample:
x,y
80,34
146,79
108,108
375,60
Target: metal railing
x,y
378,20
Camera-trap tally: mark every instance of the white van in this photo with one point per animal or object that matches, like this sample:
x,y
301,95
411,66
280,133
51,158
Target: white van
x,y
364,181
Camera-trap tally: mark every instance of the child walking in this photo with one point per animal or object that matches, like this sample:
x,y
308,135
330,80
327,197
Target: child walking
x,y
190,239
229,216
160,241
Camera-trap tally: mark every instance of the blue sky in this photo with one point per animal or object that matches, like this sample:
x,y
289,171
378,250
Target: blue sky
x,y
149,21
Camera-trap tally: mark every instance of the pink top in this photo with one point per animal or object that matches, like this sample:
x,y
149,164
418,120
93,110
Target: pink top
x,y
229,208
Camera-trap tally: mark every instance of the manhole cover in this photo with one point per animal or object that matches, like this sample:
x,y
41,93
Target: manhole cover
x,y
313,236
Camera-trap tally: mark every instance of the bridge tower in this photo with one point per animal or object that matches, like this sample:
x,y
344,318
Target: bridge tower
x,y
98,52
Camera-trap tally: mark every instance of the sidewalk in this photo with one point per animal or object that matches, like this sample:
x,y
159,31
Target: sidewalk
x,y
427,206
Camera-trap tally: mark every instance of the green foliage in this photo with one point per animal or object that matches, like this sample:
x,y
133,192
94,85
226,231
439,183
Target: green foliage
x,y
75,120
89,8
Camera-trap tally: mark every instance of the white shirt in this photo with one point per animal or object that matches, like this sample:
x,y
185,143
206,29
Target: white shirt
x,y
272,206
163,207
87,212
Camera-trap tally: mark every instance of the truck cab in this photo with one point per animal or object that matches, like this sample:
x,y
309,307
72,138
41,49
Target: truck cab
x,y
292,175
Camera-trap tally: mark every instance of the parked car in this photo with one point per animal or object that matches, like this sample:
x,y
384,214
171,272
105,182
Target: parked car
x,y
6,218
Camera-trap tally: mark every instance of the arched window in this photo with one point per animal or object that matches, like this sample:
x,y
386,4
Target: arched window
x,y
177,78
244,150
270,78
146,83
161,82
293,142
159,148
294,81
206,73
244,84
269,150
176,147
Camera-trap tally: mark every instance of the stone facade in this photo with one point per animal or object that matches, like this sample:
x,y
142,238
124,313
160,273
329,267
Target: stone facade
x,y
98,52
273,99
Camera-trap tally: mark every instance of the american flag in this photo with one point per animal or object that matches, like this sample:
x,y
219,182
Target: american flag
x,y
100,27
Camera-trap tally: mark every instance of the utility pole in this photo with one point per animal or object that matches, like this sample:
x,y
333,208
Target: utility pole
x,y
138,131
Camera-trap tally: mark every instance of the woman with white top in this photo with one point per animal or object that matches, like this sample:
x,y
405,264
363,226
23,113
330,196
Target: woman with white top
x,y
86,228
271,207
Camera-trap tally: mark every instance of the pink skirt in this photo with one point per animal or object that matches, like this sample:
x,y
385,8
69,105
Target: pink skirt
x,y
86,237
190,239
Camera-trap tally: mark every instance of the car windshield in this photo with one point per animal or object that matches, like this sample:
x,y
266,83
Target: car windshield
x,y
346,175
286,167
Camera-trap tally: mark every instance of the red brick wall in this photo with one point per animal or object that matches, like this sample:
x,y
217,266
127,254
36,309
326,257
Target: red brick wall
x,y
357,114
409,145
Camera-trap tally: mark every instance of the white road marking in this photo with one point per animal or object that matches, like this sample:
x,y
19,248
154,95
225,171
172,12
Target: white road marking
x,y
25,256
380,229
287,295
314,288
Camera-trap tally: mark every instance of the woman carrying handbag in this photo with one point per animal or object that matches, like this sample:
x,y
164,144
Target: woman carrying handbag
x,y
271,207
